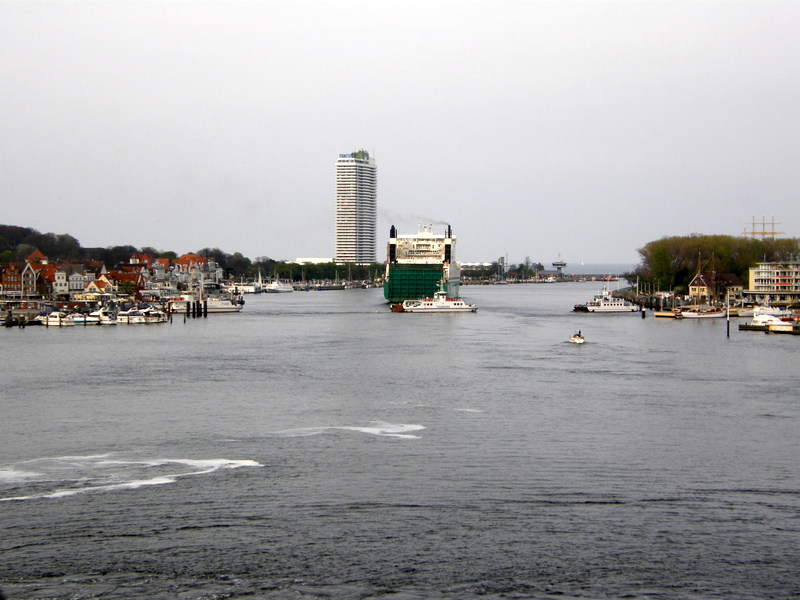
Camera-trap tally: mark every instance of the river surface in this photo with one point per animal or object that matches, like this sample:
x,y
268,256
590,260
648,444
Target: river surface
x,y
317,445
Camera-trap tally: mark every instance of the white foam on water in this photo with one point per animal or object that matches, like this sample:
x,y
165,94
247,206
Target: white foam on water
x,y
67,458
12,475
388,430
470,410
206,465
377,428
110,474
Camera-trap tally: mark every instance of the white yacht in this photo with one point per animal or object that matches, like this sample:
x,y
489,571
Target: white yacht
x,y
56,318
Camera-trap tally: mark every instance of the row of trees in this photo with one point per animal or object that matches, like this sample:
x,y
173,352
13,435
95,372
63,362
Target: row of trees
x,y
670,263
17,243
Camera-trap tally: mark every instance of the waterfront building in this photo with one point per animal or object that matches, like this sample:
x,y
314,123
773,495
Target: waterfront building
x,y
774,283
17,280
11,281
356,208
710,287
60,285
78,280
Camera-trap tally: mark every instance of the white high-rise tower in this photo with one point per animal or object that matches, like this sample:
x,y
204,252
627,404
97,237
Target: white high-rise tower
x,y
356,208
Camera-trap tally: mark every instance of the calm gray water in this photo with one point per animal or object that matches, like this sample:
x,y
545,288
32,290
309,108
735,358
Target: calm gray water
x,y
319,446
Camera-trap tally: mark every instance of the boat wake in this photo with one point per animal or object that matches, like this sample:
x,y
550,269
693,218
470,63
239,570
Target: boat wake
x,y
377,428
62,476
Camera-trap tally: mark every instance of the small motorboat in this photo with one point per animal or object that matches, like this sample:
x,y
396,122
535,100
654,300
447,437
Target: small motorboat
x,y
577,338
56,318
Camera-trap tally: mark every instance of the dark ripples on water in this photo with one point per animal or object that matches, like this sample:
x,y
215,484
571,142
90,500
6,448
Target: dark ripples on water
x,y
318,446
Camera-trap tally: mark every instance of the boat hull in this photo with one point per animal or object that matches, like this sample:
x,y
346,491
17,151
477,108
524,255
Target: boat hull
x,y
612,309
710,314
440,310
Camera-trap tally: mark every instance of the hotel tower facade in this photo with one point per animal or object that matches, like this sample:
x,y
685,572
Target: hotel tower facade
x,y
356,208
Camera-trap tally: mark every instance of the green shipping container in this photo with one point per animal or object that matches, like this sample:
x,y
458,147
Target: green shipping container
x,y
409,282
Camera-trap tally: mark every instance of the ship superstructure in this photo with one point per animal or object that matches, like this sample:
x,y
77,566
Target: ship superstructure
x,y
417,265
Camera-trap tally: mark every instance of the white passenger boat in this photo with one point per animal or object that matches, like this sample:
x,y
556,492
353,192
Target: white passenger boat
x,y
278,287
439,303
605,302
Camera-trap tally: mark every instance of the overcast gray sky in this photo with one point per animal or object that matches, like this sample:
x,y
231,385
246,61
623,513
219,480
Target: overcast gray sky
x,y
584,129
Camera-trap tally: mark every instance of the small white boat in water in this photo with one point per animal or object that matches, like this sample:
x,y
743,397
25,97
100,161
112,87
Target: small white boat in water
x,y
577,338
439,303
222,304
154,315
703,313
773,323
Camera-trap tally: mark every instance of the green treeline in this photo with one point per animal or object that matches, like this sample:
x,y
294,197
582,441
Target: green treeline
x,y
17,243
669,264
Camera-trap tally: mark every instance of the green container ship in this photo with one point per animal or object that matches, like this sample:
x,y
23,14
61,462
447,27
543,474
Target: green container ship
x,y
417,265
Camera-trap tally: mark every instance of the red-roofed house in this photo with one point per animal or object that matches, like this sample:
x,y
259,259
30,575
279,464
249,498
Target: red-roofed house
x,y
119,279
36,257
18,280
141,259
186,262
